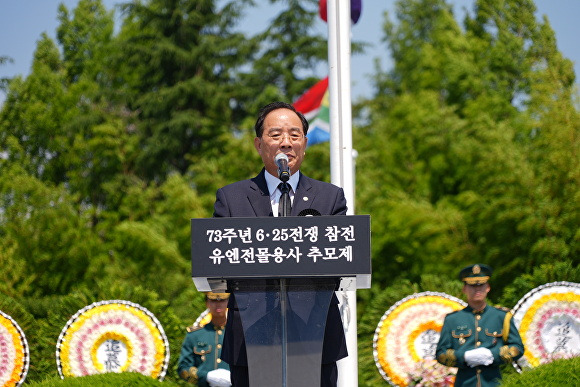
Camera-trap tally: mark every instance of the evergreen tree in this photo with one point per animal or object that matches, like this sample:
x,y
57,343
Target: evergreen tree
x,y
287,48
85,39
176,63
33,114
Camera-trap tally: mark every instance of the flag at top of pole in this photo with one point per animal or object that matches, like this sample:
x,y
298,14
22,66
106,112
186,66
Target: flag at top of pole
x,y
314,104
355,10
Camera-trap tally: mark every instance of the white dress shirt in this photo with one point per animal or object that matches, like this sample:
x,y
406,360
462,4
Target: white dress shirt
x,y
275,193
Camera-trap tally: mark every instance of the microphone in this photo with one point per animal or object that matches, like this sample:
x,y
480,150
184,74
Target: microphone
x,y
281,161
309,212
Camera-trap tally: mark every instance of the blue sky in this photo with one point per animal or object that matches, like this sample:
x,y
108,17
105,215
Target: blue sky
x,y
23,21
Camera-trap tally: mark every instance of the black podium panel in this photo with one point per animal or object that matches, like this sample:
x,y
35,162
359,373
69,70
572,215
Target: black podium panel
x,y
312,246
283,272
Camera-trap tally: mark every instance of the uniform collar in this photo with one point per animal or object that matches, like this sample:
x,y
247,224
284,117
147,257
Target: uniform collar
x,y
478,311
210,324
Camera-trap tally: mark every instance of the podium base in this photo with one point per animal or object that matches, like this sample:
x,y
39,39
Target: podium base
x,y
284,321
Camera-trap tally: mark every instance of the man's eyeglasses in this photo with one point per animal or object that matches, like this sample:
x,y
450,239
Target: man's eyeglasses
x,y
278,136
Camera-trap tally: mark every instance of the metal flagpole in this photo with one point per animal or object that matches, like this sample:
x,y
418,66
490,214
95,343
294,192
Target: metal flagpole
x,y
341,159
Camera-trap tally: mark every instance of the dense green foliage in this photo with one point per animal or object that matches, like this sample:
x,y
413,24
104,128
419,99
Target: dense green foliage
x,y
107,380
119,136
474,123
557,373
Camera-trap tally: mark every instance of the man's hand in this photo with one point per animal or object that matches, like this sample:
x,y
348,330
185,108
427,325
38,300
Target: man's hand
x,y
479,356
219,378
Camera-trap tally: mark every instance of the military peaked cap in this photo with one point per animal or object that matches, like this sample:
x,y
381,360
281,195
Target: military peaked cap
x,y
477,274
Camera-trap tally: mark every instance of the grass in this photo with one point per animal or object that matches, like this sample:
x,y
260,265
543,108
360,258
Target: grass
x,y
562,373
127,379
555,374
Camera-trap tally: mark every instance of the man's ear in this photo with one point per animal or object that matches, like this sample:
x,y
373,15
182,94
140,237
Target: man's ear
x,y
258,144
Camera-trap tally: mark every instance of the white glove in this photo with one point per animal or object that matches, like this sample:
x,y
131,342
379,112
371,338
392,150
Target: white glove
x,y
479,356
219,378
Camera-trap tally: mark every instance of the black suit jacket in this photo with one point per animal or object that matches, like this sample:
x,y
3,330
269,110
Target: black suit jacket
x,y
251,198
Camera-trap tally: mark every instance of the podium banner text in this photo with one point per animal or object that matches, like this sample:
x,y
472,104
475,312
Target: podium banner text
x,y
280,247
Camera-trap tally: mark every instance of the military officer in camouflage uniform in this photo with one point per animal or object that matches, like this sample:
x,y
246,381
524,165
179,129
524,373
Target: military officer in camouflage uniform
x,y
479,338
200,361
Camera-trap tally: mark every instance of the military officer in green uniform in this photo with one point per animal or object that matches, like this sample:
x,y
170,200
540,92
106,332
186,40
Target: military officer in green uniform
x,y
478,338
200,361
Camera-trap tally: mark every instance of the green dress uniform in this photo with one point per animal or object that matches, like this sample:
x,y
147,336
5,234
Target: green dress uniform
x,y
200,353
468,329
489,330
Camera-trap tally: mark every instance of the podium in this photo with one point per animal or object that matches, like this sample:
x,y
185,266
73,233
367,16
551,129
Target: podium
x,y
283,272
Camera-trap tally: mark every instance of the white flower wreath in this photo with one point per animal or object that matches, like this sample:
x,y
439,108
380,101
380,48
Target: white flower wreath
x,y
112,336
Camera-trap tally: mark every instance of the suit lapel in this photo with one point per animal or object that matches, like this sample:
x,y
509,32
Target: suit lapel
x,y
259,196
304,195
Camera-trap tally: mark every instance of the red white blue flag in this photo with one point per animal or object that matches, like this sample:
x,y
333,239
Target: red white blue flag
x,y
355,10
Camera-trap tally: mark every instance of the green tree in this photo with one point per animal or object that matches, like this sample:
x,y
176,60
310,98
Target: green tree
x,y
148,240
50,117
551,143
4,81
543,274
457,120
287,48
32,116
176,62
47,246
85,39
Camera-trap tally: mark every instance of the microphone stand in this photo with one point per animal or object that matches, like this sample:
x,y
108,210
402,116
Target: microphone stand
x,y
285,206
284,212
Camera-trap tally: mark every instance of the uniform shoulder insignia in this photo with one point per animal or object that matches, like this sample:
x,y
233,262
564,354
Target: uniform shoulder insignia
x,y
502,308
193,328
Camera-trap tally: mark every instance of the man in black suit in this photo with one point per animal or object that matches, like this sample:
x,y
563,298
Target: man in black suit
x,y
280,129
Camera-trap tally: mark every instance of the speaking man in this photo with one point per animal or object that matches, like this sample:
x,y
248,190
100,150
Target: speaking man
x,y
280,129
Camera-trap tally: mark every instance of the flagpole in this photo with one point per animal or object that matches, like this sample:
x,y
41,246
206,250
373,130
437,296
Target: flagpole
x,y
341,159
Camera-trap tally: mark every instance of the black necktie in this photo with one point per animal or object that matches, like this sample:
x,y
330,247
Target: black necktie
x,y
285,204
